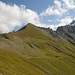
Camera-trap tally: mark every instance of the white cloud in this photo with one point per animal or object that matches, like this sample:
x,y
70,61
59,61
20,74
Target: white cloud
x,y
13,15
59,8
49,20
69,4
65,21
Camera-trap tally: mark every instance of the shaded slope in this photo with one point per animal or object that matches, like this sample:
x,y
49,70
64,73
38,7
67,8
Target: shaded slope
x,y
68,32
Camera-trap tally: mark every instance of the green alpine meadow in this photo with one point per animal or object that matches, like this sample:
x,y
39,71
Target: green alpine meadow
x,y
36,50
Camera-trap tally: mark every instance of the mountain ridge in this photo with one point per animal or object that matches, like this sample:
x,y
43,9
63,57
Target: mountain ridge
x,y
37,51
69,25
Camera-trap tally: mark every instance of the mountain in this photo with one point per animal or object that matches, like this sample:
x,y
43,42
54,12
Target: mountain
x,y
72,23
68,32
38,51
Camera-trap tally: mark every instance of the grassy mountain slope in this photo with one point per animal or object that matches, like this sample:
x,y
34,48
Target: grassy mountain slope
x,y
31,51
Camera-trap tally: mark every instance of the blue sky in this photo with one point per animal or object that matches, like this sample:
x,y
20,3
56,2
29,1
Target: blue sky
x,y
36,5
44,13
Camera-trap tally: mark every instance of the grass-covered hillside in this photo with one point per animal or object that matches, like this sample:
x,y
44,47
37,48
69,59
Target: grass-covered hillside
x,y
33,51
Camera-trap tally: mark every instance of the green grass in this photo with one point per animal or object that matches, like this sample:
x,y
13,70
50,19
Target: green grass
x,y
31,52
12,64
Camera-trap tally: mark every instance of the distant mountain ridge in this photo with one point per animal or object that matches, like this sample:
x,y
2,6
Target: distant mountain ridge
x,y
67,31
72,23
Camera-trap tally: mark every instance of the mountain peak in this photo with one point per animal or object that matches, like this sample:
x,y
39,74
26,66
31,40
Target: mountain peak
x,y
29,25
30,30
72,23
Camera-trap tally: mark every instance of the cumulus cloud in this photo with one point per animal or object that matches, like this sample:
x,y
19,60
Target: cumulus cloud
x,y
69,4
59,8
13,15
64,21
49,20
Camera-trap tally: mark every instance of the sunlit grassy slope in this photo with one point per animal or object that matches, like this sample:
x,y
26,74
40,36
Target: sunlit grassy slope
x,y
31,51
